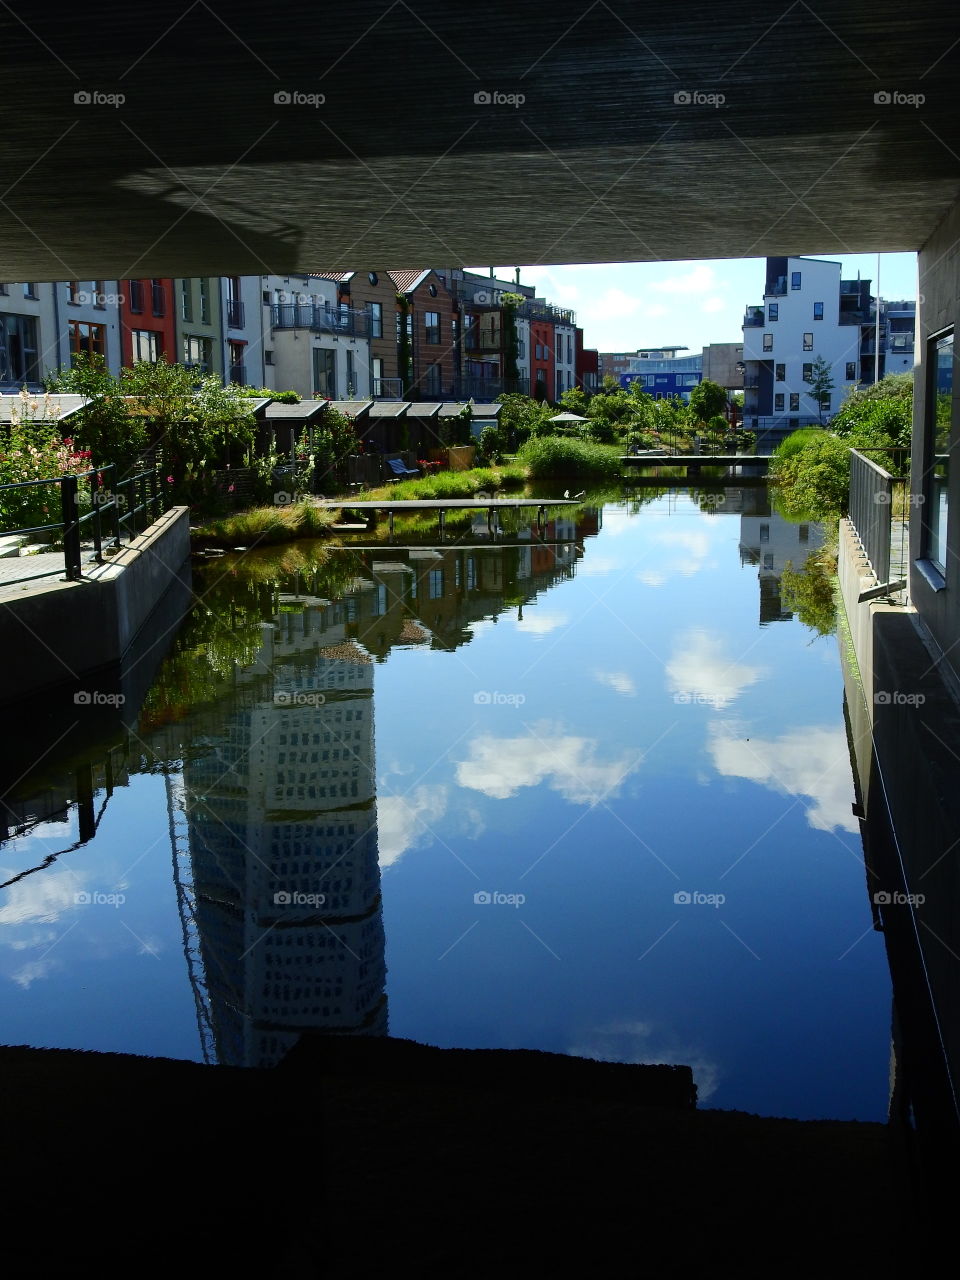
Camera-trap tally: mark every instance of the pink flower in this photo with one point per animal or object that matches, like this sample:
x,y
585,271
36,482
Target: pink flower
x,y
169,479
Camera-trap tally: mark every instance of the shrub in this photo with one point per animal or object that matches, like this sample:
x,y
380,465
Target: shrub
x,y
35,450
262,525
814,479
576,460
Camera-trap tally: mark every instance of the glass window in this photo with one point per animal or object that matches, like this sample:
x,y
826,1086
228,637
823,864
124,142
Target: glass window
x,y
807,372
145,345
818,311
768,342
376,319
851,371
431,324
808,342
196,354
778,402
436,584
30,289
134,294
351,375
794,401
86,339
939,422
780,373
204,300
774,310
186,301
18,349
794,279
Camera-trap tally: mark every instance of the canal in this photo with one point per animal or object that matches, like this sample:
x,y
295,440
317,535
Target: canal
x,y
589,794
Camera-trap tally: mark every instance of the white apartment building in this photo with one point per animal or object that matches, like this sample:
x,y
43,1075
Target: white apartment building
x,y
242,310
565,358
44,325
313,344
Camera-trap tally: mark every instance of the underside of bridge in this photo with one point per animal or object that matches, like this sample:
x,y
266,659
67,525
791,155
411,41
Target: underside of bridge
x,y
191,138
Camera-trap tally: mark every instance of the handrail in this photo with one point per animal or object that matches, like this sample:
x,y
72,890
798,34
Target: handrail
x,y
136,495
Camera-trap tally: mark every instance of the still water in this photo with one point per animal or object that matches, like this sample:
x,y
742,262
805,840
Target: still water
x,y
590,794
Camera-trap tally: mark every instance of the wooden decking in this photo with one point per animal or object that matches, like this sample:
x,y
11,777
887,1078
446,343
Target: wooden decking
x,y
441,504
695,460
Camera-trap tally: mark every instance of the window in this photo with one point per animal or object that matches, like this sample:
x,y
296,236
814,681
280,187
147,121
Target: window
x,y
432,290
268,357
851,371
431,324
324,374
433,381
818,311
539,352
778,402
376,319
768,560
3,288
351,374
794,279
825,403
768,342
794,401
808,342
145,345
134,294
559,383
186,301
196,354
18,349
807,372
158,298
376,370
373,277
780,373
569,349
86,339
265,297
764,533
30,289
436,584
237,370
204,300
774,310
234,303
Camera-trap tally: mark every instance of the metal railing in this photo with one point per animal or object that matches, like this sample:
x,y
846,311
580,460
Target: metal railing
x,y
872,493
296,315
388,388
238,373
753,316
129,507
234,313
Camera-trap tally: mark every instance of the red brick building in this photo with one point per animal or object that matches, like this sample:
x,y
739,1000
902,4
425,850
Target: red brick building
x,y
432,324
587,365
147,322
542,364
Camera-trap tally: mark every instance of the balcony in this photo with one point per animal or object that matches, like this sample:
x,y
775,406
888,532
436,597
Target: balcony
x,y
388,388
234,313
751,381
238,374
347,323
754,317
485,390
776,288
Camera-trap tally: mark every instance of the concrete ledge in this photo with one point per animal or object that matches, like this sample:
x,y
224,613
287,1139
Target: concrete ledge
x,y
56,632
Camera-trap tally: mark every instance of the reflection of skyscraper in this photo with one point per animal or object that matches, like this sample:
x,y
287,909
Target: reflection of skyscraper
x,y
771,542
281,814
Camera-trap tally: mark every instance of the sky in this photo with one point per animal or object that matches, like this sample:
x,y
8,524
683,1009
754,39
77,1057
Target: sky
x,y
625,305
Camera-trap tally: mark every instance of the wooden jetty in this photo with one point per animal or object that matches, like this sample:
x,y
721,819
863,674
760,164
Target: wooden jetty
x,y
443,505
696,460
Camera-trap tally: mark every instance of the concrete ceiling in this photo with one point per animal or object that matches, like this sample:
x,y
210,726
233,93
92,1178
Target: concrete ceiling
x,y
202,171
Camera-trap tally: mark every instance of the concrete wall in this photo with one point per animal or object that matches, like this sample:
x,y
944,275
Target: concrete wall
x,y
59,633
937,597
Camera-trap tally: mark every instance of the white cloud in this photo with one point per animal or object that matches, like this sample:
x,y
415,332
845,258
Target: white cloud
x,y
499,767
692,545
655,309
651,578
402,820
812,762
31,971
700,670
700,278
638,1043
40,898
714,304
540,623
619,681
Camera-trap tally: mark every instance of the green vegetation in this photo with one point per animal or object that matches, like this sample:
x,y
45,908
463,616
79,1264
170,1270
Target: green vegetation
x,y
262,525
811,468
811,592
821,383
35,449
453,484
579,461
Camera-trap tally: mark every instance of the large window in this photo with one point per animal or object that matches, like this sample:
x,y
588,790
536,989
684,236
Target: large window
x,y
431,324
768,342
86,339
351,375
324,374
794,401
18,349
774,310
808,373
145,345
196,354
795,278
134,294
938,425
204,300
850,374
433,383
778,402
158,297
186,300
780,373
376,319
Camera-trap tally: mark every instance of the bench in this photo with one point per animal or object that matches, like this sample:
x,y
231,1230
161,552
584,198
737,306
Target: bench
x,y
400,469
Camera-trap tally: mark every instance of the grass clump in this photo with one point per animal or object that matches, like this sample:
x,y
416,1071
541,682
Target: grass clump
x,y
452,484
577,461
261,526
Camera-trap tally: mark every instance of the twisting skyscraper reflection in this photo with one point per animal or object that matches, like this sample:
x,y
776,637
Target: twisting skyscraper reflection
x,y
281,814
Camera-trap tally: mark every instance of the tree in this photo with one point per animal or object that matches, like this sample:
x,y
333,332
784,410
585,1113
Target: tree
x,y
708,400
521,417
885,407
821,383
105,426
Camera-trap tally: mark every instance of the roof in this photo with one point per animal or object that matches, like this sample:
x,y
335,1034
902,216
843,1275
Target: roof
x,y
423,409
40,407
407,281
450,409
352,408
302,411
389,408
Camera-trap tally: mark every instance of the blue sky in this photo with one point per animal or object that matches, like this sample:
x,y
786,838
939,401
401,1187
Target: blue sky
x,y
625,305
